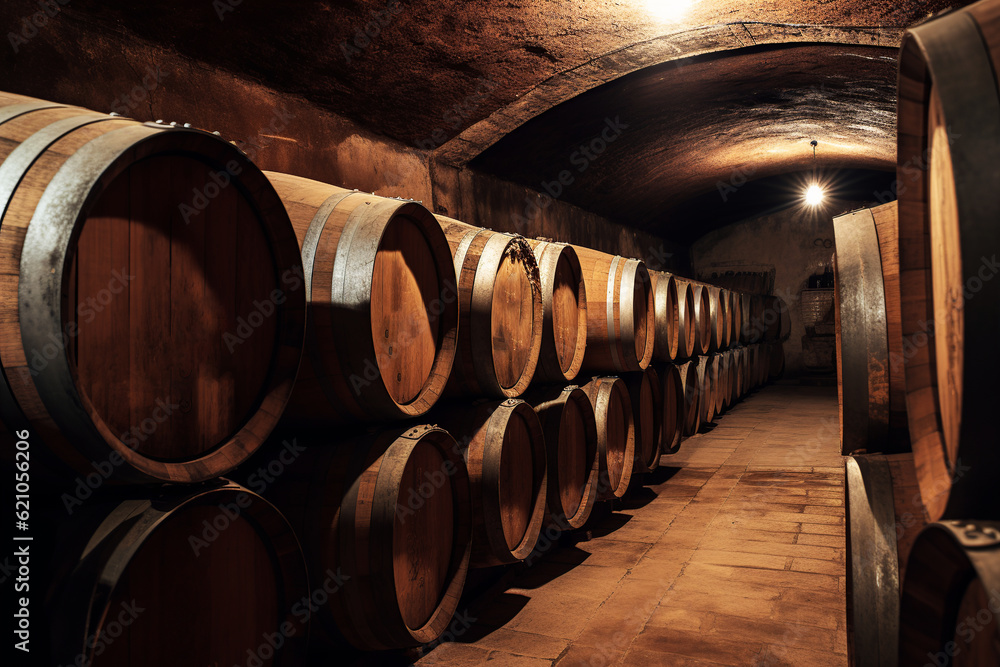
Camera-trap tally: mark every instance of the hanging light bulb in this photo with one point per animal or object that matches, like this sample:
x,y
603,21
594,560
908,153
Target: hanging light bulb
x,y
814,195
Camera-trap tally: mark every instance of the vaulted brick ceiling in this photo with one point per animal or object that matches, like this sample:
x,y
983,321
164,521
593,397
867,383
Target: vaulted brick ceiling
x,y
717,88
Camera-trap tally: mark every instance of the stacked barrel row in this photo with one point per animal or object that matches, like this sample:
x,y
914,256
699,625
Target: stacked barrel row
x,y
174,314
917,302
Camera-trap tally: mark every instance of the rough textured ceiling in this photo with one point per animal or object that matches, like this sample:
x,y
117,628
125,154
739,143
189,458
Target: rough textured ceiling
x,y
722,86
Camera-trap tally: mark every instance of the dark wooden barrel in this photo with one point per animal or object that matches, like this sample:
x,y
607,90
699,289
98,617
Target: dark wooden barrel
x,y
702,316
735,311
692,397
190,575
506,457
646,396
564,312
391,514
570,430
725,400
153,308
615,435
870,351
621,313
668,317
500,310
673,407
687,324
383,305
884,516
948,126
708,378
951,596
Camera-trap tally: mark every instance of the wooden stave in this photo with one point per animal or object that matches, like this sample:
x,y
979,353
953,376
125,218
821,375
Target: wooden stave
x,y
947,558
329,493
953,60
668,317
478,255
647,456
323,393
600,391
549,403
549,257
72,430
481,430
104,539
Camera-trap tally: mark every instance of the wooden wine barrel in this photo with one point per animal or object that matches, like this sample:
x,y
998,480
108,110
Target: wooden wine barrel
x,y
692,397
501,313
216,565
668,316
687,323
735,311
615,435
951,596
723,388
702,318
506,458
753,324
153,311
884,516
570,430
564,313
621,313
737,370
708,378
391,514
717,327
383,306
673,407
869,355
949,120
646,396
754,365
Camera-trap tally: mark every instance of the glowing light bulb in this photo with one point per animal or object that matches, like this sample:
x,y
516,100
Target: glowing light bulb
x,y
668,10
814,195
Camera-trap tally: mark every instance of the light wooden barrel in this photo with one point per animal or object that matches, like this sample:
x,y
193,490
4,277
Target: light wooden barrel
x,y
948,127
570,430
646,396
673,407
692,396
564,312
717,328
951,596
884,517
383,305
506,457
687,323
668,317
153,310
703,318
391,514
615,435
621,313
500,311
215,565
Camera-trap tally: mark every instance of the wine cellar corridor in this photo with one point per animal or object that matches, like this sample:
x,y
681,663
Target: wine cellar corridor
x,y
733,554
535,333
